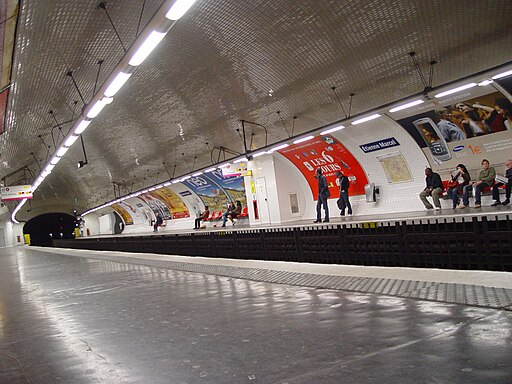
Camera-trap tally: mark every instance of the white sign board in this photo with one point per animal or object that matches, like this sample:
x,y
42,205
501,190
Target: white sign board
x,y
17,192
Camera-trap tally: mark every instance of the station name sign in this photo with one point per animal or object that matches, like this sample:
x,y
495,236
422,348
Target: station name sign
x,y
378,145
16,192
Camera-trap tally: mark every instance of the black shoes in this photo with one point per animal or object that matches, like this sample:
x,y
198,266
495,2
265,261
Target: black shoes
x,y
506,202
496,203
326,220
317,221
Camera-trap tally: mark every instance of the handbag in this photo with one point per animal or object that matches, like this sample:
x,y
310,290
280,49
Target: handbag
x,y
452,184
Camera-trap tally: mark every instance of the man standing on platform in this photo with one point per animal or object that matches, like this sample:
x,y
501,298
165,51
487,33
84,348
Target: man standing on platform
x,y
323,195
434,187
508,185
343,201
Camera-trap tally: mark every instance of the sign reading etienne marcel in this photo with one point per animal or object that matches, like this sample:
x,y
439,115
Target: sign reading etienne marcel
x,y
378,145
17,192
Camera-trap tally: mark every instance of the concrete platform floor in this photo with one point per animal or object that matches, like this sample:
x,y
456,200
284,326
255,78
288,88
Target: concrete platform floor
x,y
78,320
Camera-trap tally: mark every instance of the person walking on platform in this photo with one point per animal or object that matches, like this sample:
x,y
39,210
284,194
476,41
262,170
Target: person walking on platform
x,y
343,201
434,187
202,216
323,195
159,221
508,185
485,179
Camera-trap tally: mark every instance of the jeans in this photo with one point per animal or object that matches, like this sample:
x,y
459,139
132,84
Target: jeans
x,y
344,203
454,194
224,218
435,197
496,191
478,193
322,201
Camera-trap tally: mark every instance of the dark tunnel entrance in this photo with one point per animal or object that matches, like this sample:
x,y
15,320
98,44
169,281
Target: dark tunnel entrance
x,y
44,228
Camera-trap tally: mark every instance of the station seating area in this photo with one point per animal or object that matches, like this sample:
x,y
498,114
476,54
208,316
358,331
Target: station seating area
x,y
217,216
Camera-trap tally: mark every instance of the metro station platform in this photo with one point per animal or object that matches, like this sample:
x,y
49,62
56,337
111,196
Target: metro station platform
x,y
80,316
469,239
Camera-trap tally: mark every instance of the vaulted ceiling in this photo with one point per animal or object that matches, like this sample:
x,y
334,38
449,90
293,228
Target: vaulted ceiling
x,y
225,60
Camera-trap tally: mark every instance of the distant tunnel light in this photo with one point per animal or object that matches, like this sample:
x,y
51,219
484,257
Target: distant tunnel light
x,y
179,8
303,139
407,105
333,129
62,151
117,83
70,141
96,109
146,48
82,127
365,119
455,90
500,75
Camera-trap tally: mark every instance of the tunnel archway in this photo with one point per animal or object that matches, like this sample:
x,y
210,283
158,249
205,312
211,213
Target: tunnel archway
x,y
44,228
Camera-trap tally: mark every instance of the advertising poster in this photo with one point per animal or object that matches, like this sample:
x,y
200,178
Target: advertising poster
x,y
173,201
233,185
330,155
135,212
395,167
210,194
466,129
127,218
157,206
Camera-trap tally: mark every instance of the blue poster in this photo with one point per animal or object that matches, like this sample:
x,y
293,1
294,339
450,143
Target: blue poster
x,y
233,186
210,193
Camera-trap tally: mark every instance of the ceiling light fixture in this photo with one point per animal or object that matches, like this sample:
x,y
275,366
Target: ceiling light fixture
x,y
455,90
197,174
82,127
282,146
70,141
116,84
179,8
365,119
303,139
407,105
62,151
333,129
96,109
55,159
146,48
209,170
258,154
503,74
484,83
240,160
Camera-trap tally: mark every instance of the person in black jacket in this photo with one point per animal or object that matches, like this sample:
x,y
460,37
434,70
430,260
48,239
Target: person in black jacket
x,y
343,201
158,223
508,186
323,195
434,187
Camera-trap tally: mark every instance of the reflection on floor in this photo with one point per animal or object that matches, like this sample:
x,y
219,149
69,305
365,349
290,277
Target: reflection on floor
x,y
80,320
502,212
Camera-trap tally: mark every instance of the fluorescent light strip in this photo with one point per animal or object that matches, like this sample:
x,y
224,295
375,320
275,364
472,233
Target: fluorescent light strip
x,y
175,181
303,139
365,119
197,174
55,160
96,109
49,167
210,170
240,160
185,178
331,130
18,207
258,154
278,148
117,83
70,141
455,90
500,75
484,83
82,127
407,105
62,151
146,48
179,8
167,184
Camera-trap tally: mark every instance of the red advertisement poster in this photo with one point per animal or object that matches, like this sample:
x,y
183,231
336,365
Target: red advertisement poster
x,y
330,155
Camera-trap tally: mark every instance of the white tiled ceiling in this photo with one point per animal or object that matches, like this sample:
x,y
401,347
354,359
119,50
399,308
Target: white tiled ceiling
x,y
218,65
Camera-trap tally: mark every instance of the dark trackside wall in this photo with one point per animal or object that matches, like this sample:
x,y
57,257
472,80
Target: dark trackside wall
x,y
44,228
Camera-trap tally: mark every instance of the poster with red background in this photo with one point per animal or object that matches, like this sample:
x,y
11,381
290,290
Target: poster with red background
x,y
331,156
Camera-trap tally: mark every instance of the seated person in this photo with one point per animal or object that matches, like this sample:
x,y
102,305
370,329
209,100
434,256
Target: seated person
x,y
508,186
236,212
485,179
461,179
231,208
434,187
159,221
202,216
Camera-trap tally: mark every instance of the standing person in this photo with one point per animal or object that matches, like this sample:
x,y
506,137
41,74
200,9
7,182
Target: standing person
x,y
485,179
461,179
202,216
159,221
434,187
323,195
231,208
508,186
343,201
